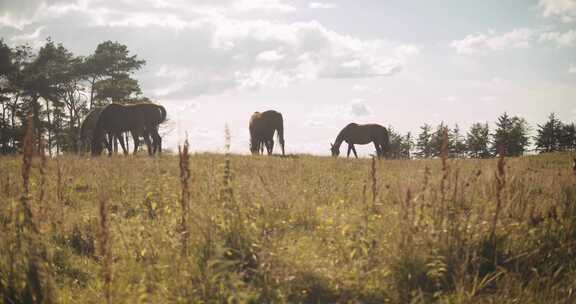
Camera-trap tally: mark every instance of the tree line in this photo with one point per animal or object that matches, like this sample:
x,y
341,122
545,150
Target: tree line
x,y
511,136
58,88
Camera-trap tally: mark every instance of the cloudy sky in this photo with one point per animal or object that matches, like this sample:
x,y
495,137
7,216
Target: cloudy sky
x,y
323,64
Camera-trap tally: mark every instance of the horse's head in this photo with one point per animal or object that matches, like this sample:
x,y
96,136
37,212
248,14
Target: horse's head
x,y
335,151
255,146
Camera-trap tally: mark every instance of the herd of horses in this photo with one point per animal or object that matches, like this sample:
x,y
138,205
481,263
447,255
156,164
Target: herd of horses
x,y
103,126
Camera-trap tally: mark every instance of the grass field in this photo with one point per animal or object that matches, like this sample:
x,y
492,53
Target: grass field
x,y
302,229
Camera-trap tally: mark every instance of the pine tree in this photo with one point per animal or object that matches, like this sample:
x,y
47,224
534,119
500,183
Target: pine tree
x,y
567,138
477,140
548,138
437,139
423,142
511,135
457,144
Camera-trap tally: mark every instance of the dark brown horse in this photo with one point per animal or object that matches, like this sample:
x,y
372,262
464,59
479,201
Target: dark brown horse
x,y
140,119
262,128
88,127
362,134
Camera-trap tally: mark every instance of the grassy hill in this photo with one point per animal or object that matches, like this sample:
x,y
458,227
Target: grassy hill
x,y
299,229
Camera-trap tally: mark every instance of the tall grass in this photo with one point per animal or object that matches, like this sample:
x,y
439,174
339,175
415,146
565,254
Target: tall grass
x,y
205,228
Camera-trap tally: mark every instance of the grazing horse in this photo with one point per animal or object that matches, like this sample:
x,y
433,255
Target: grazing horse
x,y
262,127
88,127
362,134
140,119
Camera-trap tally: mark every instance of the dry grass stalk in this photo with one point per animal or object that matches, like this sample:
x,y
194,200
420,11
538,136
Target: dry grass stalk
x,y
444,157
226,194
7,186
27,154
60,192
374,181
105,240
500,184
185,194
42,170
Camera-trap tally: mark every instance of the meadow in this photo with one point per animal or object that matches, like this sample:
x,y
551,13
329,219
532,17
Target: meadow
x,y
212,228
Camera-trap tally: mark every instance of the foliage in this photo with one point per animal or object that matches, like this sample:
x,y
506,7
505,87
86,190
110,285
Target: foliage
x,y
478,140
59,88
556,136
511,135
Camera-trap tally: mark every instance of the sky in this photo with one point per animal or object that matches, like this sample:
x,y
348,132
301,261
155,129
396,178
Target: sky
x,y
323,64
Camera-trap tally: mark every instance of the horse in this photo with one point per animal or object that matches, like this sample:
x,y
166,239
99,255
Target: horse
x,y
362,134
140,119
87,131
262,127
87,128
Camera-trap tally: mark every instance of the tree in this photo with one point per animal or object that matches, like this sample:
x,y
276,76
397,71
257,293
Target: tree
x,y
457,144
423,141
477,140
108,73
437,139
511,135
567,138
548,138
406,146
51,85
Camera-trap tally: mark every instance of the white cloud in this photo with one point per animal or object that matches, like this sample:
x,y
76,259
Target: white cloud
x,y
488,99
359,108
491,41
264,5
450,99
565,10
366,89
572,69
169,89
33,37
355,110
210,47
270,56
405,51
174,72
566,39
324,5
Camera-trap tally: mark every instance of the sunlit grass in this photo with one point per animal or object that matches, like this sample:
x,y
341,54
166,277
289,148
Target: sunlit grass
x,y
298,229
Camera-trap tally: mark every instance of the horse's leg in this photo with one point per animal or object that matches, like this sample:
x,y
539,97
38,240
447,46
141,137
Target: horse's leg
x,y
269,147
148,144
110,144
136,140
120,138
349,149
354,150
378,150
156,140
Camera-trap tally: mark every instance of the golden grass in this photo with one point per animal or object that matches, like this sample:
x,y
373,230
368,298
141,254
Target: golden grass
x,y
300,229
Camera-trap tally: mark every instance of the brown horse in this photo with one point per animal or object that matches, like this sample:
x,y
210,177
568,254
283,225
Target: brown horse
x,y
88,127
140,119
362,134
262,127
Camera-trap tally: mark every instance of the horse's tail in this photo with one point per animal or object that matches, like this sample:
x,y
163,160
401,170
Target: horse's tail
x,y
386,143
162,114
280,132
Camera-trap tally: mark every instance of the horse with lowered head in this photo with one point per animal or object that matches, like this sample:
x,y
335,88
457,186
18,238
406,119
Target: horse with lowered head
x,y
140,119
362,134
262,128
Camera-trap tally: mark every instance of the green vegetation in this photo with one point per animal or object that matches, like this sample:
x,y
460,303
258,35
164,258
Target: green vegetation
x,y
295,229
